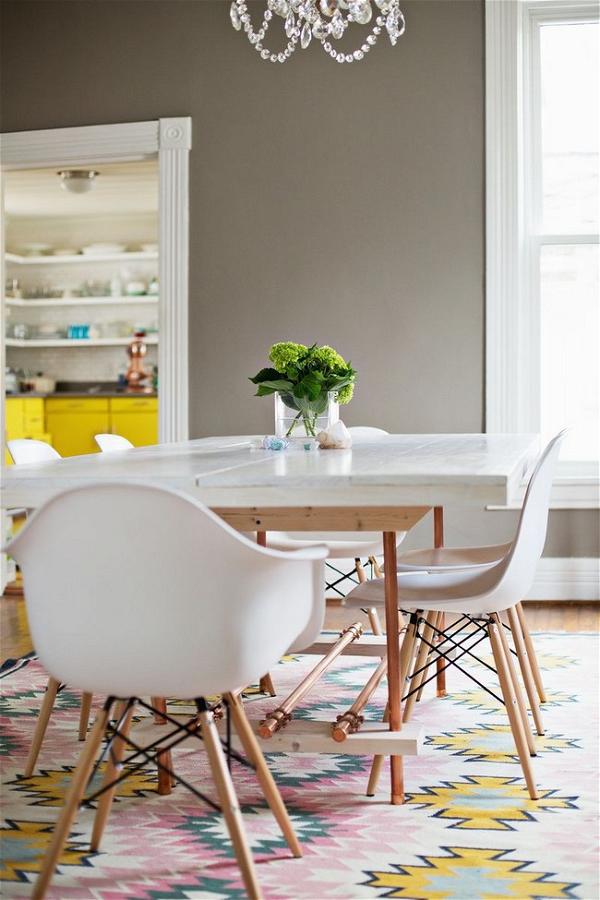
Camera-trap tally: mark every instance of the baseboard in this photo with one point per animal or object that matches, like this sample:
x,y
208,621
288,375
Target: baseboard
x,y
566,578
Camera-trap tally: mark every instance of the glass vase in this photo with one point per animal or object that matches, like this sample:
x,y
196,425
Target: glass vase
x,y
293,421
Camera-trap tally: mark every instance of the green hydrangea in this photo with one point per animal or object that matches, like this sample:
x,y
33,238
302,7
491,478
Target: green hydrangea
x,y
326,357
285,353
345,394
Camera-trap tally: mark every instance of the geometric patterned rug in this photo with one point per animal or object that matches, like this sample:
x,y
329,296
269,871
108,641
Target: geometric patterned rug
x,y
467,829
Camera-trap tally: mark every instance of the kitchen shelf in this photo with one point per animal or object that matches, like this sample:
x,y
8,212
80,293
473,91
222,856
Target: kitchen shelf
x,y
80,258
83,301
79,342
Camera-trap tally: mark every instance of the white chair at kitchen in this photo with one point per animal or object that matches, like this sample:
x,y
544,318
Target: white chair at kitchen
x,y
478,594
23,451
28,450
112,442
184,611
362,547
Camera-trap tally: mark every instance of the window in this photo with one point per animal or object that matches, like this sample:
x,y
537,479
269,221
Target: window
x,y
543,304
565,204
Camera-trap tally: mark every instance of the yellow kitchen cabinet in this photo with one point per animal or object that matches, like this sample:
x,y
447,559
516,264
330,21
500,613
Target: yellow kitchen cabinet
x,y
135,418
74,421
24,418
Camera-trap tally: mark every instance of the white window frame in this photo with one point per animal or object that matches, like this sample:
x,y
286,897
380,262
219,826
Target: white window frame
x,y
513,237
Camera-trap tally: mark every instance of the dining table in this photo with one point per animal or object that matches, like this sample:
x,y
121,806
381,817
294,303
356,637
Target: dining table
x,y
386,486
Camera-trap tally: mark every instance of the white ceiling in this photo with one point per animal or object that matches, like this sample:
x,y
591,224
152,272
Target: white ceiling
x,y
120,189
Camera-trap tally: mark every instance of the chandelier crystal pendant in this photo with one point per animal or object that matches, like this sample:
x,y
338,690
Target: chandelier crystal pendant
x,y
323,21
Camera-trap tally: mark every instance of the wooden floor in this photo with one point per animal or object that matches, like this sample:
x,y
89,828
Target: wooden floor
x,y
15,639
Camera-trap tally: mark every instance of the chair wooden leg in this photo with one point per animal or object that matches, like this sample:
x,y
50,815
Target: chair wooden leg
x,y
374,620
84,715
360,570
266,685
263,773
72,801
113,768
406,656
165,782
41,725
376,567
515,627
376,765
229,804
514,717
516,688
422,656
535,669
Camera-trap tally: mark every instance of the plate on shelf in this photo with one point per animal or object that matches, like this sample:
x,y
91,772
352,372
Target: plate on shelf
x,y
101,249
35,249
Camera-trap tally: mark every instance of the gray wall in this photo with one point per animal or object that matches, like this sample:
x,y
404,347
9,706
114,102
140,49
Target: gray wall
x,y
342,204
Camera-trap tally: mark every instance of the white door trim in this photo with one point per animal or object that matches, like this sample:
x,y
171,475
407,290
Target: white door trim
x,y
170,141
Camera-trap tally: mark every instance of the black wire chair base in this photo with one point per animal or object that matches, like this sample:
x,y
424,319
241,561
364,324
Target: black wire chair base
x,y
153,752
479,631
351,576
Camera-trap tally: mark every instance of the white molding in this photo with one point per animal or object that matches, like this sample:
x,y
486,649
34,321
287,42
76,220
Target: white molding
x,y
504,217
85,144
170,140
175,142
566,578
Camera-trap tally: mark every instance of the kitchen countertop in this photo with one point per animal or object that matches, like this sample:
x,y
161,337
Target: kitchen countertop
x,y
67,394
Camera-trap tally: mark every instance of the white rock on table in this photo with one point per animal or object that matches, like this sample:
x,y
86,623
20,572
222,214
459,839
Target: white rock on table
x,y
335,438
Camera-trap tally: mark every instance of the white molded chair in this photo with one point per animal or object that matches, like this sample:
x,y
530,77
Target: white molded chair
x,y
114,560
110,442
360,547
479,594
28,450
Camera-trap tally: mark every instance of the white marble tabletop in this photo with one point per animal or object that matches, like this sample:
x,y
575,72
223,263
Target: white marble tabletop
x,y
428,470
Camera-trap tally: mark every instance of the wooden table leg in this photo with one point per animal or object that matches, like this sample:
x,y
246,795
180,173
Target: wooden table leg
x,y
265,684
438,541
392,627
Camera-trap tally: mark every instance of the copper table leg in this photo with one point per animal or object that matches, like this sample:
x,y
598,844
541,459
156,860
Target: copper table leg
x,y
438,541
392,628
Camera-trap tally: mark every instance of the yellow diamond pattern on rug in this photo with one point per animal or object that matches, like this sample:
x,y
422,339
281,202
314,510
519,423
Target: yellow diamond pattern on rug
x,y
23,847
48,788
487,802
469,872
494,743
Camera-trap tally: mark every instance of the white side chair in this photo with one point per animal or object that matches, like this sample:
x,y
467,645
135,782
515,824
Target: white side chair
x,y
453,559
478,595
28,450
23,451
361,547
139,561
111,442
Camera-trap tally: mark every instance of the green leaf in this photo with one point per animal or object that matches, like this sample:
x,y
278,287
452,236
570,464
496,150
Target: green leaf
x,y
320,405
265,375
263,391
279,384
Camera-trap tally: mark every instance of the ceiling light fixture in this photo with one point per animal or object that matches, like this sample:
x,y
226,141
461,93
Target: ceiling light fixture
x,y
322,20
77,181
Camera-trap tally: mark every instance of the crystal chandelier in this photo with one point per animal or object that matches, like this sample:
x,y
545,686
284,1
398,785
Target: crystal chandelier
x,y
324,21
